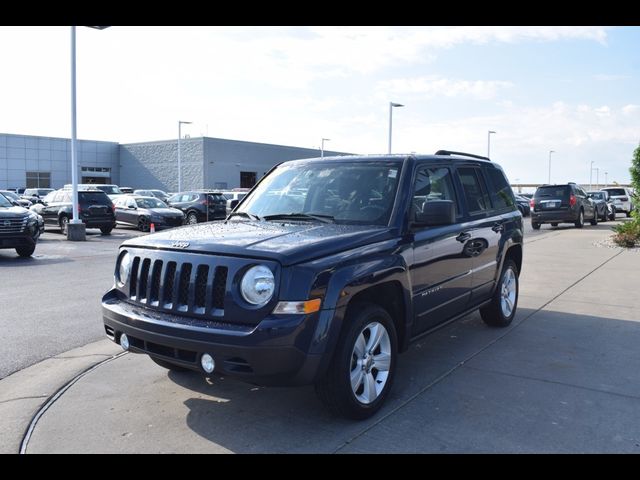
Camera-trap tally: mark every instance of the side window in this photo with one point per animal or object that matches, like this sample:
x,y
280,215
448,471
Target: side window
x,y
501,194
50,196
474,190
432,184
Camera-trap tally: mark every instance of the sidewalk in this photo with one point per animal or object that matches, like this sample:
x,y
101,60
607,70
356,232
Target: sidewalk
x,y
565,377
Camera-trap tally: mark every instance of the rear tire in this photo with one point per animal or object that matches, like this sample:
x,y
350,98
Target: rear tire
x,y
143,225
594,220
579,223
106,230
169,366
192,218
352,386
25,251
554,224
535,226
504,303
628,214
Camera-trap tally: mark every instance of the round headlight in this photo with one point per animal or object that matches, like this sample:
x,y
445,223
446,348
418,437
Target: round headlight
x,y
124,269
257,285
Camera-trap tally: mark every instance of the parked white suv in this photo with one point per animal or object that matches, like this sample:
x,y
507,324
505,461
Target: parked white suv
x,y
622,199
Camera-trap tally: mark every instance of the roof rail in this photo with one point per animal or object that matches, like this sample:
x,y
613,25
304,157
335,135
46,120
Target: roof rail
x,y
463,154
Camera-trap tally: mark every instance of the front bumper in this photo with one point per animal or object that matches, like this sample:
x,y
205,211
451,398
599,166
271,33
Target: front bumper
x,y
272,353
622,206
16,241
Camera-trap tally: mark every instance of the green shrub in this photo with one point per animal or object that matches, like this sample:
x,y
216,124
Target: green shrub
x,y
627,240
627,233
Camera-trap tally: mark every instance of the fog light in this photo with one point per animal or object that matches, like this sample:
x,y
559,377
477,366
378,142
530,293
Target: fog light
x,y
207,363
124,341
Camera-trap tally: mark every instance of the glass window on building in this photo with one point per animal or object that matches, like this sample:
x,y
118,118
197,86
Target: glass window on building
x,y
38,180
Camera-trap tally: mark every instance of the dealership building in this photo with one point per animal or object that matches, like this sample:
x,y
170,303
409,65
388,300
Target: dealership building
x,y
30,161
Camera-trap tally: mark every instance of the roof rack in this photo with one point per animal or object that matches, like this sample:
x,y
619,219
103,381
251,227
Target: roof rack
x,y
463,154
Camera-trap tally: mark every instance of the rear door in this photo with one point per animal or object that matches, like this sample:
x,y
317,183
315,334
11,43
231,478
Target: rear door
x,y
483,229
441,272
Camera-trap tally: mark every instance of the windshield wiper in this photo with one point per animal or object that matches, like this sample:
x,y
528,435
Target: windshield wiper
x,y
248,215
301,216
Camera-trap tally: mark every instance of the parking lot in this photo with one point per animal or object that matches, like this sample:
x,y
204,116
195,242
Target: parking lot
x,y
562,378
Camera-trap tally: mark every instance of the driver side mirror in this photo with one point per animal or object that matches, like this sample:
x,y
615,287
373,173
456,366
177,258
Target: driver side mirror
x,y
436,212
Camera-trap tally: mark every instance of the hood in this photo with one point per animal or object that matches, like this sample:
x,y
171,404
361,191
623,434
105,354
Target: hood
x,y
287,242
14,212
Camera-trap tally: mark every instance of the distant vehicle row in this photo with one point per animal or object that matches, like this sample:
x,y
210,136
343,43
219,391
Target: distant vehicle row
x,y
569,203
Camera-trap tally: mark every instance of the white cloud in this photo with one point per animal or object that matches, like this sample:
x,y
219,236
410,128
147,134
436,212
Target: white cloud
x,y
431,86
630,109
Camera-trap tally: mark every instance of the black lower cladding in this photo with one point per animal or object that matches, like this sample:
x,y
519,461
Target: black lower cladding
x,y
271,353
13,241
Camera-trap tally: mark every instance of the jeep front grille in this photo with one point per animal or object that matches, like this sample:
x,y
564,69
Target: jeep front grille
x,y
179,287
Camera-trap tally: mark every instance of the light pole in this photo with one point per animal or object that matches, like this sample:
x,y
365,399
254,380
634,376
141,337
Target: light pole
x,y
550,152
75,229
322,146
180,123
597,176
391,105
591,175
605,179
489,143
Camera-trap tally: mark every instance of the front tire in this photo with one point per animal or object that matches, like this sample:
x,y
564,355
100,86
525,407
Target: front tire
x,y
25,251
612,215
535,225
362,370
64,224
143,224
106,230
502,309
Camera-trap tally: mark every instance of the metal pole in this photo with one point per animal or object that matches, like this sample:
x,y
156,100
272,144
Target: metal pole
x,y
489,143
597,177
179,161
550,152
322,146
390,123
605,179
74,152
591,176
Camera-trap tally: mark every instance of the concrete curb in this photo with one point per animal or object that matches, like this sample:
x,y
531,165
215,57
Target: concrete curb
x,y
23,393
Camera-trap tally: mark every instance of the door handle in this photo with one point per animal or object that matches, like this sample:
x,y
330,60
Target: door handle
x,y
497,227
463,237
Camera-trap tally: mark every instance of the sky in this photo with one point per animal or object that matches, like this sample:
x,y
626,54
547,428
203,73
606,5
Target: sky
x,y
573,90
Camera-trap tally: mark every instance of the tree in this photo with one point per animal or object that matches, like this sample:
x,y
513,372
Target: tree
x,y
635,171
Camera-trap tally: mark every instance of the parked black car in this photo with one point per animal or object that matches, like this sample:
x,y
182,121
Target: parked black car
x,y
15,198
200,206
523,205
327,287
96,210
605,206
141,212
19,228
564,203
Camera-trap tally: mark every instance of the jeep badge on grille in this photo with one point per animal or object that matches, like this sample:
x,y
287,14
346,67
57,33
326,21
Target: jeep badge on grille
x,y
180,244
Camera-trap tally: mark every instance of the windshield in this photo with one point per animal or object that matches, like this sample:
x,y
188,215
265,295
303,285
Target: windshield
x,y
552,191
4,202
10,195
348,192
109,189
150,203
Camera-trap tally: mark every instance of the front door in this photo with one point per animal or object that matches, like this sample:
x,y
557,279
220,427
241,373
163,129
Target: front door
x,y
441,270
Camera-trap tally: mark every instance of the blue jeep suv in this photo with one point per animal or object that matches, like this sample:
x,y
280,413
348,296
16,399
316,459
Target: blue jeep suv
x,y
324,273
